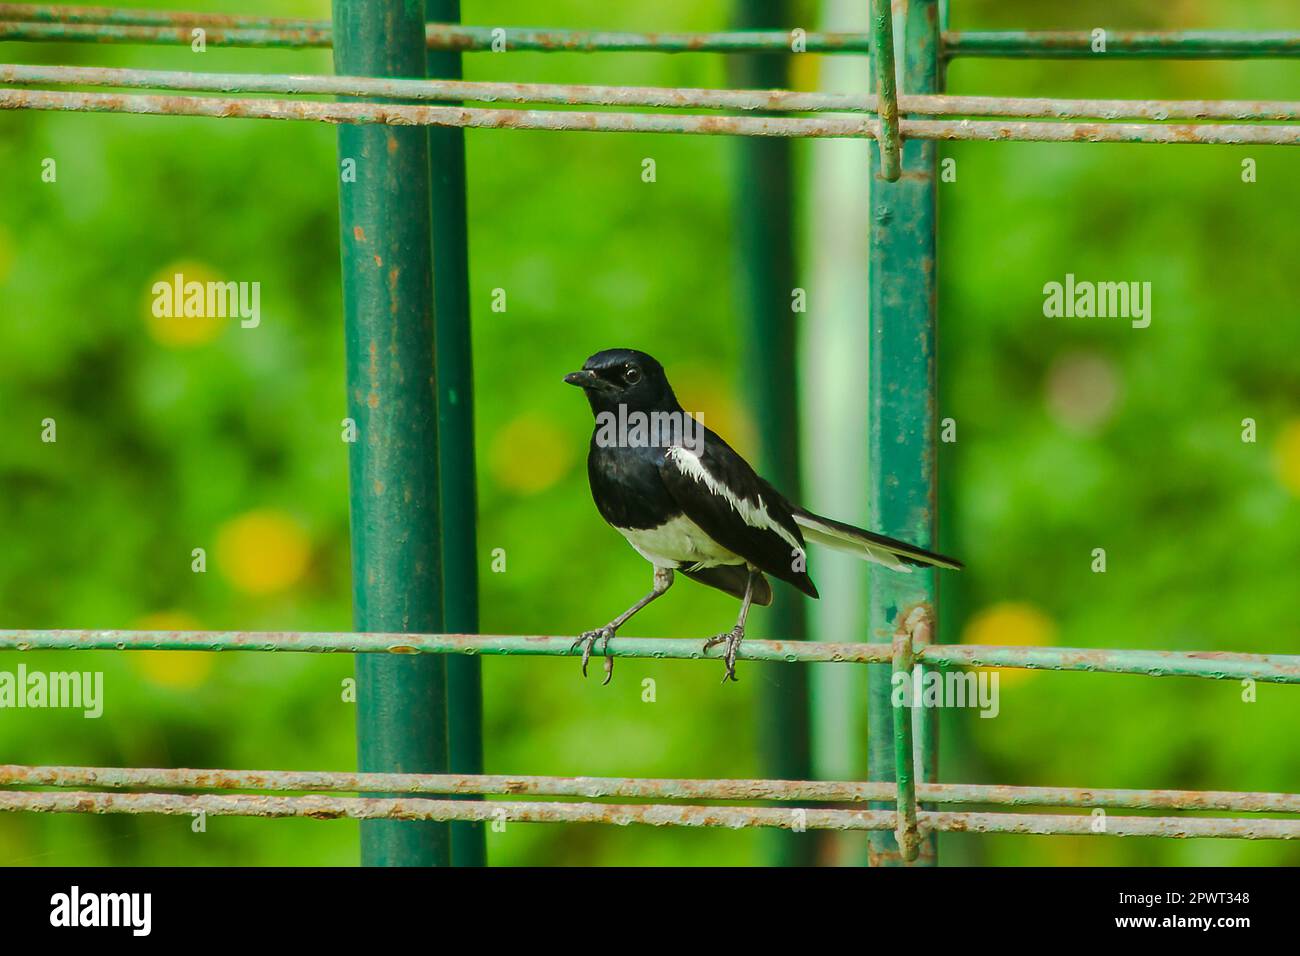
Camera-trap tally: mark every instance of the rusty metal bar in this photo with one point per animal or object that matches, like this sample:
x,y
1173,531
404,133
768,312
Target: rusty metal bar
x,y
118,778
906,834
348,642
710,125
277,32
882,24
1270,668
1126,44
111,25
748,100
790,818
58,13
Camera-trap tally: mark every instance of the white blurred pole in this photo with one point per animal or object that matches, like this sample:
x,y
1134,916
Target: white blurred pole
x,y
833,351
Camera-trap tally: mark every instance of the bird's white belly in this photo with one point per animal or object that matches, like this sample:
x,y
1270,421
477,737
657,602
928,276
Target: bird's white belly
x,y
679,542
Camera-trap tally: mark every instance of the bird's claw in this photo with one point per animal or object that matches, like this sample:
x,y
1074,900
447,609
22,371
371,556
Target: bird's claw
x,y
732,639
588,641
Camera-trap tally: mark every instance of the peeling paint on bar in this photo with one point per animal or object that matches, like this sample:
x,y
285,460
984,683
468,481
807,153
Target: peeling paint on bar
x,y
672,98
709,125
669,789
1276,668
416,808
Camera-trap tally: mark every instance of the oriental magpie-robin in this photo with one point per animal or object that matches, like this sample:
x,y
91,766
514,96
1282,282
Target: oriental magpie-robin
x,y
687,502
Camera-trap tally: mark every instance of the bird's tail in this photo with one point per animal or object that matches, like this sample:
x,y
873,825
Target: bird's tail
x,y
892,553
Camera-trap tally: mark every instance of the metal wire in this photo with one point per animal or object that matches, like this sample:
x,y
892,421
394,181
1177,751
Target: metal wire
x,y
43,22
787,818
657,789
673,98
709,125
1279,669
1124,44
228,31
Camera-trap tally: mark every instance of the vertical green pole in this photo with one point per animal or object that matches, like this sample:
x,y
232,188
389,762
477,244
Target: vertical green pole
x,y
901,435
393,465
455,360
765,250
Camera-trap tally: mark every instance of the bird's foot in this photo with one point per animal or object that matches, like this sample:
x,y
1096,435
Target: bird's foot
x,y
588,641
732,639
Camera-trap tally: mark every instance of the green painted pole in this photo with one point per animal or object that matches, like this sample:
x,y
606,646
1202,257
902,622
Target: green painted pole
x,y
766,272
388,305
455,362
902,383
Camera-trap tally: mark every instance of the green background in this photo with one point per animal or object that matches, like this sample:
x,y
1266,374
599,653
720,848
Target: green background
x,y
1072,435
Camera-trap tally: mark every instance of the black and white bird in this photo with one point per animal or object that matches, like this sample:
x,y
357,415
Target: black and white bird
x,y
687,502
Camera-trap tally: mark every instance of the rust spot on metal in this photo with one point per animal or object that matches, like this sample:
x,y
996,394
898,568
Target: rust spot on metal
x,y
358,234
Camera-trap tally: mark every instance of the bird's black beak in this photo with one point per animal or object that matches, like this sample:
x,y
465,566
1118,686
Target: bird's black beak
x,y
585,379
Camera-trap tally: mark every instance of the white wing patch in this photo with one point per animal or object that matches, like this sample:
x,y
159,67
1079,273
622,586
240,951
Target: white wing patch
x,y
754,515
679,543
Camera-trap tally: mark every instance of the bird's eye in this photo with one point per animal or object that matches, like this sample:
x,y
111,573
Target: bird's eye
x,y
632,375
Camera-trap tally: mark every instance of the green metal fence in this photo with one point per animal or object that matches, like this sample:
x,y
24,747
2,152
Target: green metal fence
x,y
412,482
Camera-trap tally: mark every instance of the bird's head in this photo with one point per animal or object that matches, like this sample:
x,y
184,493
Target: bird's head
x,y
617,377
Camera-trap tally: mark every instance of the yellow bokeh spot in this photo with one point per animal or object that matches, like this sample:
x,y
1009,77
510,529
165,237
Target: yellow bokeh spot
x,y
699,393
182,670
173,327
1287,456
1011,622
263,552
806,70
530,454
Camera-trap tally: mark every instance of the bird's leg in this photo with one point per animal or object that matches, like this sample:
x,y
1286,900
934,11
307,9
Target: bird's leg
x,y
733,637
663,580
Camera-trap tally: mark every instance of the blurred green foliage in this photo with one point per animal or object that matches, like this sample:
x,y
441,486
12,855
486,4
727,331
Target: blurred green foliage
x,y
1073,435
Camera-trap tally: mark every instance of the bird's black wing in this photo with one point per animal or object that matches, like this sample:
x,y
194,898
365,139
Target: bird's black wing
x,y
719,491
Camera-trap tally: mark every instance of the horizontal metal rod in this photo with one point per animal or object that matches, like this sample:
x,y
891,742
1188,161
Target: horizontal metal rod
x,y
648,96
788,818
1125,44
1276,668
667,789
60,13
272,32
709,125
109,25
348,642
